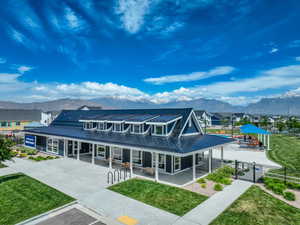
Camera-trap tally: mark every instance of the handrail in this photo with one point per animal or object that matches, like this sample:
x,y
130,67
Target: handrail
x,y
112,177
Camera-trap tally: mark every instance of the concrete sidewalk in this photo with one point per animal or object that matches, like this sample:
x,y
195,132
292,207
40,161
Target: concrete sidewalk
x,y
206,212
7,171
87,183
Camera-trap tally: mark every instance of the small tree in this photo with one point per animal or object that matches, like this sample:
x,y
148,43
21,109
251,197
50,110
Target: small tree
x,y
5,151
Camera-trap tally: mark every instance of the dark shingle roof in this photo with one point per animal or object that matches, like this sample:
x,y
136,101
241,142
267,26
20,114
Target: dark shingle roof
x,y
20,115
181,145
72,117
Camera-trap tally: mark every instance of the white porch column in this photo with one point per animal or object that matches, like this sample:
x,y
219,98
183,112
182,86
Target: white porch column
x,y
156,166
265,140
194,166
65,148
78,149
130,163
210,161
110,158
222,155
73,148
93,153
269,142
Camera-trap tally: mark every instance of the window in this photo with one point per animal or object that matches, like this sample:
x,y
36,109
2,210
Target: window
x,y
18,123
137,157
136,129
101,151
101,126
199,157
161,161
117,153
9,124
52,145
3,124
159,129
118,127
177,163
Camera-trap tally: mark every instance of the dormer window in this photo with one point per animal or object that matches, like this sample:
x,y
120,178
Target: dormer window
x,y
102,126
118,127
89,125
159,130
136,128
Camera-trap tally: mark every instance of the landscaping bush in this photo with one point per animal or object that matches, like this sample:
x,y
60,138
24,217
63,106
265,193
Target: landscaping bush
x,y
292,185
203,185
218,187
201,181
276,185
22,155
221,175
31,152
13,153
289,196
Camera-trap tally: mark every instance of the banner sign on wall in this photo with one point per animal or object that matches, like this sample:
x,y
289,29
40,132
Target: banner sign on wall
x,y
30,140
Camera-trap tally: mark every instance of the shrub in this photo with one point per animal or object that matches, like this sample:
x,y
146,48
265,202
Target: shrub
x,y
276,185
218,187
31,152
203,185
222,175
13,153
290,196
201,181
226,181
292,185
22,155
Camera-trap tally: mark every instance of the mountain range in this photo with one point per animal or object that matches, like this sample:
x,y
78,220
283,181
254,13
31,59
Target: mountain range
x,y
278,106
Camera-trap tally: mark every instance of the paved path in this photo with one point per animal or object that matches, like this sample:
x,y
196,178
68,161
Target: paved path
x,y
206,212
232,151
6,171
87,183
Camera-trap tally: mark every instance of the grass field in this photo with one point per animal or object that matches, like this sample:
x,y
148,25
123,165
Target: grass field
x,y
2,165
258,207
285,150
22,197
171,199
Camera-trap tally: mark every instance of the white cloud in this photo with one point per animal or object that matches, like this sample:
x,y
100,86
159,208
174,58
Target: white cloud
x,y
132,13
72,19
23,69
222,70
8,77
294,44
273,50
298,58
2,60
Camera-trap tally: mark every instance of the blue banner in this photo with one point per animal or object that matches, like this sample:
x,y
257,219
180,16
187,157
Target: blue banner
x,y
30,140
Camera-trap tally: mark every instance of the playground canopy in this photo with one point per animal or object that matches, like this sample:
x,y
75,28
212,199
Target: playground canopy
x,y
263,135
251,129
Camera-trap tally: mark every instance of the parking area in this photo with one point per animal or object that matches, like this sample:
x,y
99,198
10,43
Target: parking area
x,y
71,215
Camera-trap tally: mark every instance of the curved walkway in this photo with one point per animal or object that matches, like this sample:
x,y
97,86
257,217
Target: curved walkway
x,y
206,212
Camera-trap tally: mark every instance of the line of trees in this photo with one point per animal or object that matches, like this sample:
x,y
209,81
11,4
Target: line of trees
x,y
5,149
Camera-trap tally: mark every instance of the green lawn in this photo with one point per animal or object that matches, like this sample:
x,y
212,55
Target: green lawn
x,y
258,207
285,150
172,199
22,197
2,165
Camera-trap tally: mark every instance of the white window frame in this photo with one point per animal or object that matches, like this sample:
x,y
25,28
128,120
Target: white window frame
x,y
164,132
114,149
104,151
139,158
121,127
53,143
103,126
178,164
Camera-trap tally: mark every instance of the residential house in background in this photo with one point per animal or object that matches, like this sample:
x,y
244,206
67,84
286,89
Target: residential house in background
x,y
204,118
158,143
17,119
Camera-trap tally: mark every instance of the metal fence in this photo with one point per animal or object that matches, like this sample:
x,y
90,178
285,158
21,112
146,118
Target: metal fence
x,y
253,172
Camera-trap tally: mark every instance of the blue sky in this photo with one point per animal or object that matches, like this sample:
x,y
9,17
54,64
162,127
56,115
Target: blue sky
x,y
159,50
